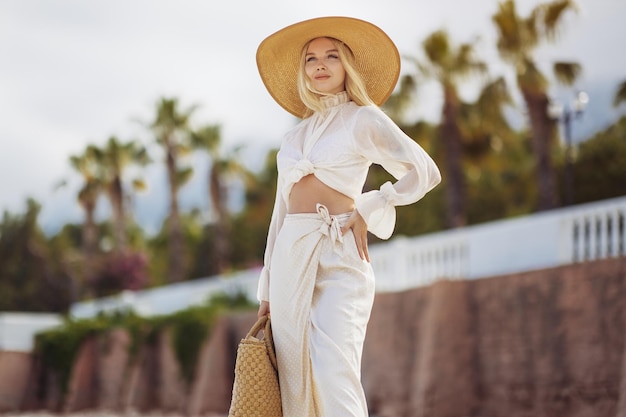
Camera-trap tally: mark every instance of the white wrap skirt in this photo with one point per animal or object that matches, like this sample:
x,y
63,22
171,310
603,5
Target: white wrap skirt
x,y
321,296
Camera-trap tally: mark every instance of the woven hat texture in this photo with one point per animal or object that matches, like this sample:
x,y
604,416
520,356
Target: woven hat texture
x,y
377,58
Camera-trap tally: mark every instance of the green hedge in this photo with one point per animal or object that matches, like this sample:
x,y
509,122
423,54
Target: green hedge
x,y
58,348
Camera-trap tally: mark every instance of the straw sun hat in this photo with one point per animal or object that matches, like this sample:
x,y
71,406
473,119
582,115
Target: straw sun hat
x,y
376,58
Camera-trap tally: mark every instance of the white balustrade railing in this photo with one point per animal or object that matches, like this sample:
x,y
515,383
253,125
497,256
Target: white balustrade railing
x,y
171,298
411,262
543,240
17,329
598,232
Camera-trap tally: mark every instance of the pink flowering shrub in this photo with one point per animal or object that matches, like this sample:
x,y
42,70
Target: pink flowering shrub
x,y
121,271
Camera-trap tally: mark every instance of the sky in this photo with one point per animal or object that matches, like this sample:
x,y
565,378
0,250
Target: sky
x,y
75,72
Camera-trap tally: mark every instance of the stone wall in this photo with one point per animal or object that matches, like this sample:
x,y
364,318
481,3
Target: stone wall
x,y
542,343
15,370
105,376
546,343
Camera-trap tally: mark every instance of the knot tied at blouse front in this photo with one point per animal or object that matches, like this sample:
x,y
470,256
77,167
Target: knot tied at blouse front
x,y
331,228
300,169
296,172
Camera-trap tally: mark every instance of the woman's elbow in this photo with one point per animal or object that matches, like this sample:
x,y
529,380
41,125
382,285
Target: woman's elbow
x,y
435,177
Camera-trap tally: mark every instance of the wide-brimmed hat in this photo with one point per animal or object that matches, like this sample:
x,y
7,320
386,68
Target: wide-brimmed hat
x,y
376,58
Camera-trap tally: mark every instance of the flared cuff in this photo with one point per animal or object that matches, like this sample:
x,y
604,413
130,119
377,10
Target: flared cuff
x,y
263,289
378,210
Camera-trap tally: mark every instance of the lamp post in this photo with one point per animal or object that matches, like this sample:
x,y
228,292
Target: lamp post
x,y
566,114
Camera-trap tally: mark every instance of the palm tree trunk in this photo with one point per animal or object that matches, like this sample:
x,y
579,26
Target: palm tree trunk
x,y
117,203
543,130
456,215
176,249
90,237
222,242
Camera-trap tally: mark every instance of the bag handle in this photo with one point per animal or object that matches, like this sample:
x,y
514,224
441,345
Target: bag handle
x,y
260,324
264,322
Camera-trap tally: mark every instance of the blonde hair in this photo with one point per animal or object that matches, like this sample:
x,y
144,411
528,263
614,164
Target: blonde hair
x,y
355,86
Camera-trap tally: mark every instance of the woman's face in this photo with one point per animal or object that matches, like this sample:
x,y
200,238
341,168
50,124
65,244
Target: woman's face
x,y
323,67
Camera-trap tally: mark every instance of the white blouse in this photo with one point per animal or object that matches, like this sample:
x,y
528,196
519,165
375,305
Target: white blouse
x,y
338,146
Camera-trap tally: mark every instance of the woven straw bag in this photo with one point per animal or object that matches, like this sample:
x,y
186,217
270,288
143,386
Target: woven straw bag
x,y
256,392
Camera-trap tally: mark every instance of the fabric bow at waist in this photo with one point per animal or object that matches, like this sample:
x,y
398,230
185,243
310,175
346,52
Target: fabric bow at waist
x,y
331,228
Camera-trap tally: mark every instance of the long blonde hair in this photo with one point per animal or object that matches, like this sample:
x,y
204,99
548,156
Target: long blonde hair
x,y
355,86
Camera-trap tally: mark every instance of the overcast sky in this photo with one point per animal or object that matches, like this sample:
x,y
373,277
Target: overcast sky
x,y
75,72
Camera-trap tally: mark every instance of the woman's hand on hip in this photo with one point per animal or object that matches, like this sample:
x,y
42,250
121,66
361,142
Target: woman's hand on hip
x,y
264,309
359,230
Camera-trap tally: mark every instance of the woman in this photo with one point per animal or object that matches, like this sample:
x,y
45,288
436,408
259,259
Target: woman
x,y
333,72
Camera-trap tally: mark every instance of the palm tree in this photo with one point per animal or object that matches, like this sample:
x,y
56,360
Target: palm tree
x,y
209,138
112,160
171,127
483,124
88,195
449,65
495,156
518,38
620,94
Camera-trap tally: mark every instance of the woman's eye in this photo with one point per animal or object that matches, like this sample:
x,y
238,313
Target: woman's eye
x,y
333,56
310,59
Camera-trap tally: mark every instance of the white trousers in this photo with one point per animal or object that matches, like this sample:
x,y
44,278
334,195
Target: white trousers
x,y
321,296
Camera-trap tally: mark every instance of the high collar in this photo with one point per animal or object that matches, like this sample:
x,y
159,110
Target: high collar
x,y
334,100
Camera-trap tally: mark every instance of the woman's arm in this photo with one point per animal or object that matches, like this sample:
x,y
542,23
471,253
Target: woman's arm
x,y
264,309
381,141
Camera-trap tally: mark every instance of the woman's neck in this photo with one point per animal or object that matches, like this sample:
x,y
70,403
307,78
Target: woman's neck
x,y
333,100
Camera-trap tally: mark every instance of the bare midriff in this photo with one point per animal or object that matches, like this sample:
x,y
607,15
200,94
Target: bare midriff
x,y
310,191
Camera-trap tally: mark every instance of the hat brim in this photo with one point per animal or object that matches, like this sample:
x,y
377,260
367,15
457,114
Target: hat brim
x,y
376,58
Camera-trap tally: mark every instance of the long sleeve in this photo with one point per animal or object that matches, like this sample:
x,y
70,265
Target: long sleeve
x,y
381,141
278,217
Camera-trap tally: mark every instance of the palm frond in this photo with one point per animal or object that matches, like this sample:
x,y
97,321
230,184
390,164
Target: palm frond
x,y
207,137
567,72
169,117
447,62
437,48
553,15
530,30
620,94
139,184
183,175
512,31
495,94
